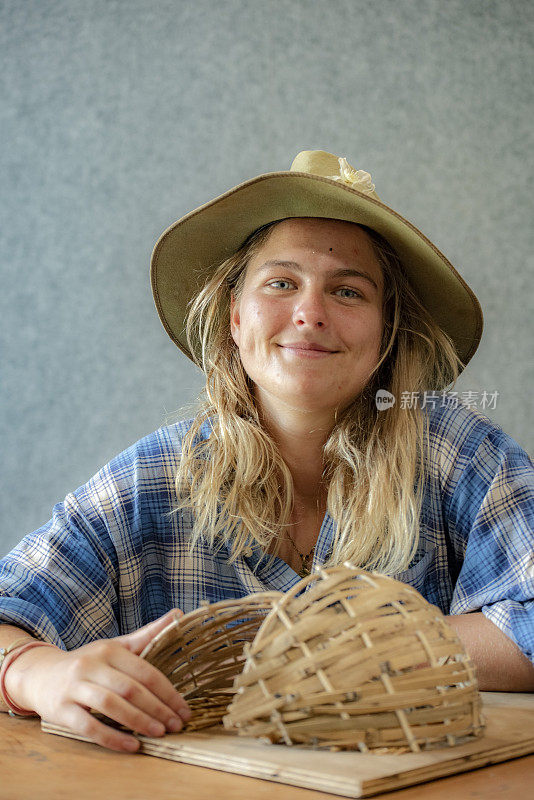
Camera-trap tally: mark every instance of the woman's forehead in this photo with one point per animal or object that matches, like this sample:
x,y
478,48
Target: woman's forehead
x,y
308,229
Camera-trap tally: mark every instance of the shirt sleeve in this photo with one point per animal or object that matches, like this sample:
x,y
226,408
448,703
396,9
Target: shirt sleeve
x,y
490,516
93,571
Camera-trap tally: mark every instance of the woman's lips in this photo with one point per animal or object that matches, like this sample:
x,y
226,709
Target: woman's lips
x,y
307,349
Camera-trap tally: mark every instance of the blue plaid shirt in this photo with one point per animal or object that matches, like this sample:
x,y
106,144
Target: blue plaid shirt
x,y
113,558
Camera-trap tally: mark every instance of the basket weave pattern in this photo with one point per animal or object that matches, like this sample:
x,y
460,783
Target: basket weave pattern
x,y
355,660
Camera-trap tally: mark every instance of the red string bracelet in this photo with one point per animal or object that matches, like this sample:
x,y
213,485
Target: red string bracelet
x,y
7,656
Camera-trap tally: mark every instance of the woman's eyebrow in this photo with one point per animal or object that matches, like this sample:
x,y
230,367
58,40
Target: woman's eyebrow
x,y
336,273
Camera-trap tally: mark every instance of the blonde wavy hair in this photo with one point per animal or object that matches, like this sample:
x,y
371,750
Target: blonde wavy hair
x,y
236,483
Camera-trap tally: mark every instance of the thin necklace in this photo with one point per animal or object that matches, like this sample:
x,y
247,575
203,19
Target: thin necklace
x,y
306,559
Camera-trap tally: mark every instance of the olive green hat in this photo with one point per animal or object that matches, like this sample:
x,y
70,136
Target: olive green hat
x,y
318,184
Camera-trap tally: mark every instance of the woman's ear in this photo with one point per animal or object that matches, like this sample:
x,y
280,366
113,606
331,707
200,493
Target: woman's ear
x,y
235,320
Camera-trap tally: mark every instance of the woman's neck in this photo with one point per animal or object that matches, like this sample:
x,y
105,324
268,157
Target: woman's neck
x,y
301,438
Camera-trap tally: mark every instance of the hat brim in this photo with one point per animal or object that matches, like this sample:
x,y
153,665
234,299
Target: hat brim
x,y
188,251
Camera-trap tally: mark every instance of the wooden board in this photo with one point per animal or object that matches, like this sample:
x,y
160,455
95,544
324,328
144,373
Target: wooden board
x,y
509,733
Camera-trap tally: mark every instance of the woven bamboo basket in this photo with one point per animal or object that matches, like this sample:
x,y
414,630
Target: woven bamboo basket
x,y
355,660
346,660
202,652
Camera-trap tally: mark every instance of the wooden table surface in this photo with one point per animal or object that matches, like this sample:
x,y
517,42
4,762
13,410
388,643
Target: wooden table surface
x,y
36,765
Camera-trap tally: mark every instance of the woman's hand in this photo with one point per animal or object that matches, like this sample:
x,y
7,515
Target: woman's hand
x,y
107,676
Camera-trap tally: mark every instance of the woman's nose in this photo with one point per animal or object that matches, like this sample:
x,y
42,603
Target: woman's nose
x,y
310,310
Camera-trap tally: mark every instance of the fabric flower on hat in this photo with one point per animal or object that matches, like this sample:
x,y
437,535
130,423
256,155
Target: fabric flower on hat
x,y
356,178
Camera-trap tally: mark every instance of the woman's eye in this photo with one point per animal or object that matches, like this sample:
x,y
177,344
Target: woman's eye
x,y
348,293
281,283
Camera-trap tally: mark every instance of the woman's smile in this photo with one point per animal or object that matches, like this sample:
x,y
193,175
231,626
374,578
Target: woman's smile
x,y
307,349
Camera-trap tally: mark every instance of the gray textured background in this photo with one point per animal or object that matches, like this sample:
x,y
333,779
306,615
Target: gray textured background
x,y
120,116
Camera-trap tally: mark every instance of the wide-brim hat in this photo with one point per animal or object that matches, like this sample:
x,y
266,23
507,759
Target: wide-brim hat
x,y
318,184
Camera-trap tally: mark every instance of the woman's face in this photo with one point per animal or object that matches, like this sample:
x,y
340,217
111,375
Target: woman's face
x,y
308,321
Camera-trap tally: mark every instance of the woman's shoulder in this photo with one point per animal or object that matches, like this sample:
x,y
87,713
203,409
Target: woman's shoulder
x,y
168,439
154,456
456,422
458,433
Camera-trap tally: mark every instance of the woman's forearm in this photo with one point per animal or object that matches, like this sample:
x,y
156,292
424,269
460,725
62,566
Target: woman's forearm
x,y
500,664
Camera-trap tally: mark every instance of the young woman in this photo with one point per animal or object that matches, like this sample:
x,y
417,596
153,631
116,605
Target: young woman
x,y
309,302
